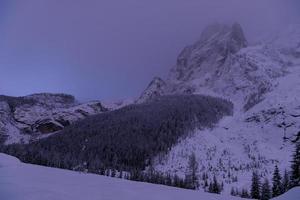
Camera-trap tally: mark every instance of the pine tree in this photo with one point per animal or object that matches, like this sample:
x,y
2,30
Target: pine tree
x,y
295,175
205,184
121,174
285,182
215,186
244,193
277,187
182,183
168,180
222,186
265,190
232,192
113,173
210,188
191,175
255,186
176,181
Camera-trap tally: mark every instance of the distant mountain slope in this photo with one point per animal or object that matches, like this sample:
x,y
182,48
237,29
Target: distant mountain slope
x,y
262,81
221,64
127,138
26,118
248,119
56,184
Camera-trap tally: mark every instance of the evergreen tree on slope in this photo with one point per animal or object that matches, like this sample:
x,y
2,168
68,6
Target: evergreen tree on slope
x,y
277,186
255,186
191,175
295,174
265,190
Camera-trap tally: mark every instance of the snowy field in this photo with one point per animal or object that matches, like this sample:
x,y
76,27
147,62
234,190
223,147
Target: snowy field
x,y
19,181
293,194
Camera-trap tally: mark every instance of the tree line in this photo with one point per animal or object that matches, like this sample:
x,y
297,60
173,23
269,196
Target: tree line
x,y
126,139
280,183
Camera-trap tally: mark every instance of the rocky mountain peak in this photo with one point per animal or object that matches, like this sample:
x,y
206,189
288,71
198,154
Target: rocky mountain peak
x,y
217,43
231,35
155,88
221,64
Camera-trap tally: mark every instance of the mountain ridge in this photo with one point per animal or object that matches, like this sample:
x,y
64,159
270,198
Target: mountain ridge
x,y
29,117
261,81
222,64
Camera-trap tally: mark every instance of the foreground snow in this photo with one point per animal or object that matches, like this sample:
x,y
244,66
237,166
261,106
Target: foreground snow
x,y
19,181
293,194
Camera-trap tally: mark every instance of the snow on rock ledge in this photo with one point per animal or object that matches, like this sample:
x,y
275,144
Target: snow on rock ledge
x,y
26,118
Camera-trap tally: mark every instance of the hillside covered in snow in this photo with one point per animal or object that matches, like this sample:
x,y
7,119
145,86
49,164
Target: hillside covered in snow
x,y
232,106
263,83
30,117
20,181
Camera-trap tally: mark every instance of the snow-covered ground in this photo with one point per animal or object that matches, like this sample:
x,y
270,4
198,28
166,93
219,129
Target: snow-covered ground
x,y
245,142
293,194
19,181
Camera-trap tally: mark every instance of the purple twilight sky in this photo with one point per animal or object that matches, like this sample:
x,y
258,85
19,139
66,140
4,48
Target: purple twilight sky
x,y
111,49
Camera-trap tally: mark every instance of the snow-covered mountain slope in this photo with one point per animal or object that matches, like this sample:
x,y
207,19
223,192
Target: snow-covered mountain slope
x,y
221,64
20,181
262,81
33,116
288,42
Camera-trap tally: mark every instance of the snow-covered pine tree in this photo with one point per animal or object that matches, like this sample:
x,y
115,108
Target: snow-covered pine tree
x,y
210,188
113,173
121,174
176,181
295,176
285,182
168,180
192,179
216,186
255,186
277,185
232,192
265,190
244,193
205,184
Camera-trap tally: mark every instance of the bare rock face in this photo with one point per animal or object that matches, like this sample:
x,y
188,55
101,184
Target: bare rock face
x,y
155,89
215,47
48,126
222,64
24,118
7,124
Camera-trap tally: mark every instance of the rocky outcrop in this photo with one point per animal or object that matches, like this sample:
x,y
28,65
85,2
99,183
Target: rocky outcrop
x,y
155,89
216,45
24,118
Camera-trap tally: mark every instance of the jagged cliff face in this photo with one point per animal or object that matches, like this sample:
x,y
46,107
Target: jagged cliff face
x,y
34,116
155,89
207,56
221,64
